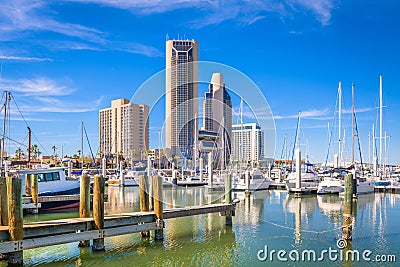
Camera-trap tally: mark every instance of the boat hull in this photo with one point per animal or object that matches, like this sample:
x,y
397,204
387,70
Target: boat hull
x,y
254,186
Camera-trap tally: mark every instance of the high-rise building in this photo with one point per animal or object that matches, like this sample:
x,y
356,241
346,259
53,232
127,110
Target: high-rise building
x,y
124,128
181,96
217,109
247,142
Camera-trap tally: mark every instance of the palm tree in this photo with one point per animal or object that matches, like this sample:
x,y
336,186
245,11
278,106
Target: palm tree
x,y
18,152
54,150
35,150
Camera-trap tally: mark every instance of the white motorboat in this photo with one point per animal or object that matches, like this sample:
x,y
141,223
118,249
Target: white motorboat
x,y
257,181
309,178
330,185
52,182
365,186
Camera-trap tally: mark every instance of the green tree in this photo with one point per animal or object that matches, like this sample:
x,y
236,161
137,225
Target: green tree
x,y
54,150
18,153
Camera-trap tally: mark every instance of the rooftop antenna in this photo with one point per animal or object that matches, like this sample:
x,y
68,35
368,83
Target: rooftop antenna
x,y
166,37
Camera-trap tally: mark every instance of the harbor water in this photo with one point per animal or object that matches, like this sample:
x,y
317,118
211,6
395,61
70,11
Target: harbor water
x,y
264,221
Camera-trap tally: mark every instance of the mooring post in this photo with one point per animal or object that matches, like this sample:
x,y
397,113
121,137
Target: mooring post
x,y
28,185
98,210
228,196
35,189
201,170
354,182
210,169
144,199
150,178
158,206
84,203
3,208
348,206
15,222
247,182
3,202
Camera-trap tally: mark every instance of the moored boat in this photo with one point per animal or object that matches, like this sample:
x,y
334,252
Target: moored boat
x,y
52,182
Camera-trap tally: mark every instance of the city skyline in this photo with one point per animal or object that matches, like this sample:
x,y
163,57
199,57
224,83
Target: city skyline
x,y
63,66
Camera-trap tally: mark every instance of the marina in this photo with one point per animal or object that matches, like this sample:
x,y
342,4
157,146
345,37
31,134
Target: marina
x,y
274,218
190,133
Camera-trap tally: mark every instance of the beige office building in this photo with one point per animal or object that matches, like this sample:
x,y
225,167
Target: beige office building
x,y
124,128
181,96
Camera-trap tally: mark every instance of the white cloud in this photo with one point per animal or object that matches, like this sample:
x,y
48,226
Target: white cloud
x,y
359,110
36,87
18,18
45,95
313,114
244,11
322,9
16,58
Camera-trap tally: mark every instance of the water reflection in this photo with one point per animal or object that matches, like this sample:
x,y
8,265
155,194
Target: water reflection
x,y
272,218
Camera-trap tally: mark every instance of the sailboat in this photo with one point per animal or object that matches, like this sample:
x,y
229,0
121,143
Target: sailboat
x,y
364,185
309,177
329,184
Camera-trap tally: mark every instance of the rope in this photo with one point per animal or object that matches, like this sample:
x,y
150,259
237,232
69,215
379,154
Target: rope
x,y
27,125
90,148
303,230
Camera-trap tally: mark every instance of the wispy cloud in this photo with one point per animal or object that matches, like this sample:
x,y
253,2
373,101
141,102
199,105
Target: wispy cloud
x,y
16,58
36,87
359,110
45,95
244,11
19,18
313,114
51,104
322,9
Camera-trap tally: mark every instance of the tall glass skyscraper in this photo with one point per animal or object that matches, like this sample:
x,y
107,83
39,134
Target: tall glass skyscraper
x,y
181,96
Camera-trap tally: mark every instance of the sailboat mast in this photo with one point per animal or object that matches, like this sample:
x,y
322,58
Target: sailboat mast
x,y
380,122
352,124
7,98
340,123
82,144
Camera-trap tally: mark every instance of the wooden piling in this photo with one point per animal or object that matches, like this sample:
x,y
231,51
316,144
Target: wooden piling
x,y
84,204
98,210
3,202
354,189
28,184
144,199
228,196
247,182
150,183
15,222
35,189
158,206
348,206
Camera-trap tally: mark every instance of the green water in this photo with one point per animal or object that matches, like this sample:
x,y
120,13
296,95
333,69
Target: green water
x,y
272,218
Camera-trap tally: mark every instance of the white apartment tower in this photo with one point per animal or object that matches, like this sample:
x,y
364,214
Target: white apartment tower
x,y
217,108
124,128
181,96
247,142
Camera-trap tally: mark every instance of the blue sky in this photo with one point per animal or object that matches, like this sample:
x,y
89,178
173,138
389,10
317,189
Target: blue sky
x,y
64,60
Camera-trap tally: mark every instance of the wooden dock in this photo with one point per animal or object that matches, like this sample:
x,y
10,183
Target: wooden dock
x,y
388,189
29,206
15,236
41,234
